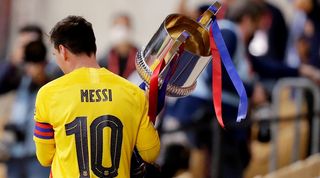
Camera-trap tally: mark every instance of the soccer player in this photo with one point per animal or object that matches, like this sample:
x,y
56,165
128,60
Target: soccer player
x,y
89,120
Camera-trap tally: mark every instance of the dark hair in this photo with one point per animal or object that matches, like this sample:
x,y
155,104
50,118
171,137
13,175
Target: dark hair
x,y
35,52
32,29
243,8
76,34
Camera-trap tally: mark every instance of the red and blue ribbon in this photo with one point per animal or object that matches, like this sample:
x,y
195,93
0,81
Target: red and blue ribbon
x,y
156,95
220,52
154,91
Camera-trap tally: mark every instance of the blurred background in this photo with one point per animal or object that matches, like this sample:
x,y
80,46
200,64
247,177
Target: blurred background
x,y
146,16
275,46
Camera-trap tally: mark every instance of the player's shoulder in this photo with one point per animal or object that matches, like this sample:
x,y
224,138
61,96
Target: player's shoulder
x,y
51,86
129,86
64,80
54,83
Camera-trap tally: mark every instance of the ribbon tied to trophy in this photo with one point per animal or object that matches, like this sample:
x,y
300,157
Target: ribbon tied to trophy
x,y
179,51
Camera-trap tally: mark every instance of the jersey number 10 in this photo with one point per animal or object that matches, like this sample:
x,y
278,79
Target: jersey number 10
x,y
78,127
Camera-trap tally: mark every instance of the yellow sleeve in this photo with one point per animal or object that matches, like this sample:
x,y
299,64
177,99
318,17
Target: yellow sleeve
x,y
148,142
43,132
45,153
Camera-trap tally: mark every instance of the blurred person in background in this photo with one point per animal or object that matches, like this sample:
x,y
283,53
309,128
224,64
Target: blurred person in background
x,y
304,45
121,57
273,32
267,51
269,67
297,35
11,70
312,33
22,160
312,30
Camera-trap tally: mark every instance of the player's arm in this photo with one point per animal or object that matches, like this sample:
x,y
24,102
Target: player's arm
x,y
148,142
45,157
43,133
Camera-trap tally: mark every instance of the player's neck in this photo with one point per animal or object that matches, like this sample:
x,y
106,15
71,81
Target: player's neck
x,y
86,61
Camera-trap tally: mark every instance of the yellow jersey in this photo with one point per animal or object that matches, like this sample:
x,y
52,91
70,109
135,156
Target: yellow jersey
x,y
94,119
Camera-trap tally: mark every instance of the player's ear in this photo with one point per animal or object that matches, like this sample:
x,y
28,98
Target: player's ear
x,y
63,52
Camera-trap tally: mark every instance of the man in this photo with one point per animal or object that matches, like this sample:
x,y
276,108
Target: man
x,y
121,57
89,120
11,71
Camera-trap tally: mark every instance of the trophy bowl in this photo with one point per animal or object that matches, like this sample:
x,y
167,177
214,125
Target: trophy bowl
x,y
166,43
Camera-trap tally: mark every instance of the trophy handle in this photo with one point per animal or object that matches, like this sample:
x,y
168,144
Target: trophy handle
x,y
173,50
167,54
205,18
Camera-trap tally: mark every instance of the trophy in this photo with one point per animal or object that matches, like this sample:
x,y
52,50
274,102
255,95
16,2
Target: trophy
x,y
176,32
178,52
172,61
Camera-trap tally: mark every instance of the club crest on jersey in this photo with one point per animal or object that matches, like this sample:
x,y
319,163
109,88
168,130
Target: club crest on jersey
x,y
95,95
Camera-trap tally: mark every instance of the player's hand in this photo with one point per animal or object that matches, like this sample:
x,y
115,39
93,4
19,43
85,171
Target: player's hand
x,y
141,169
138,166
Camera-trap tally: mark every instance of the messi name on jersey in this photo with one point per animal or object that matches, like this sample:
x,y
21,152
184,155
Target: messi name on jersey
x,y
95,95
